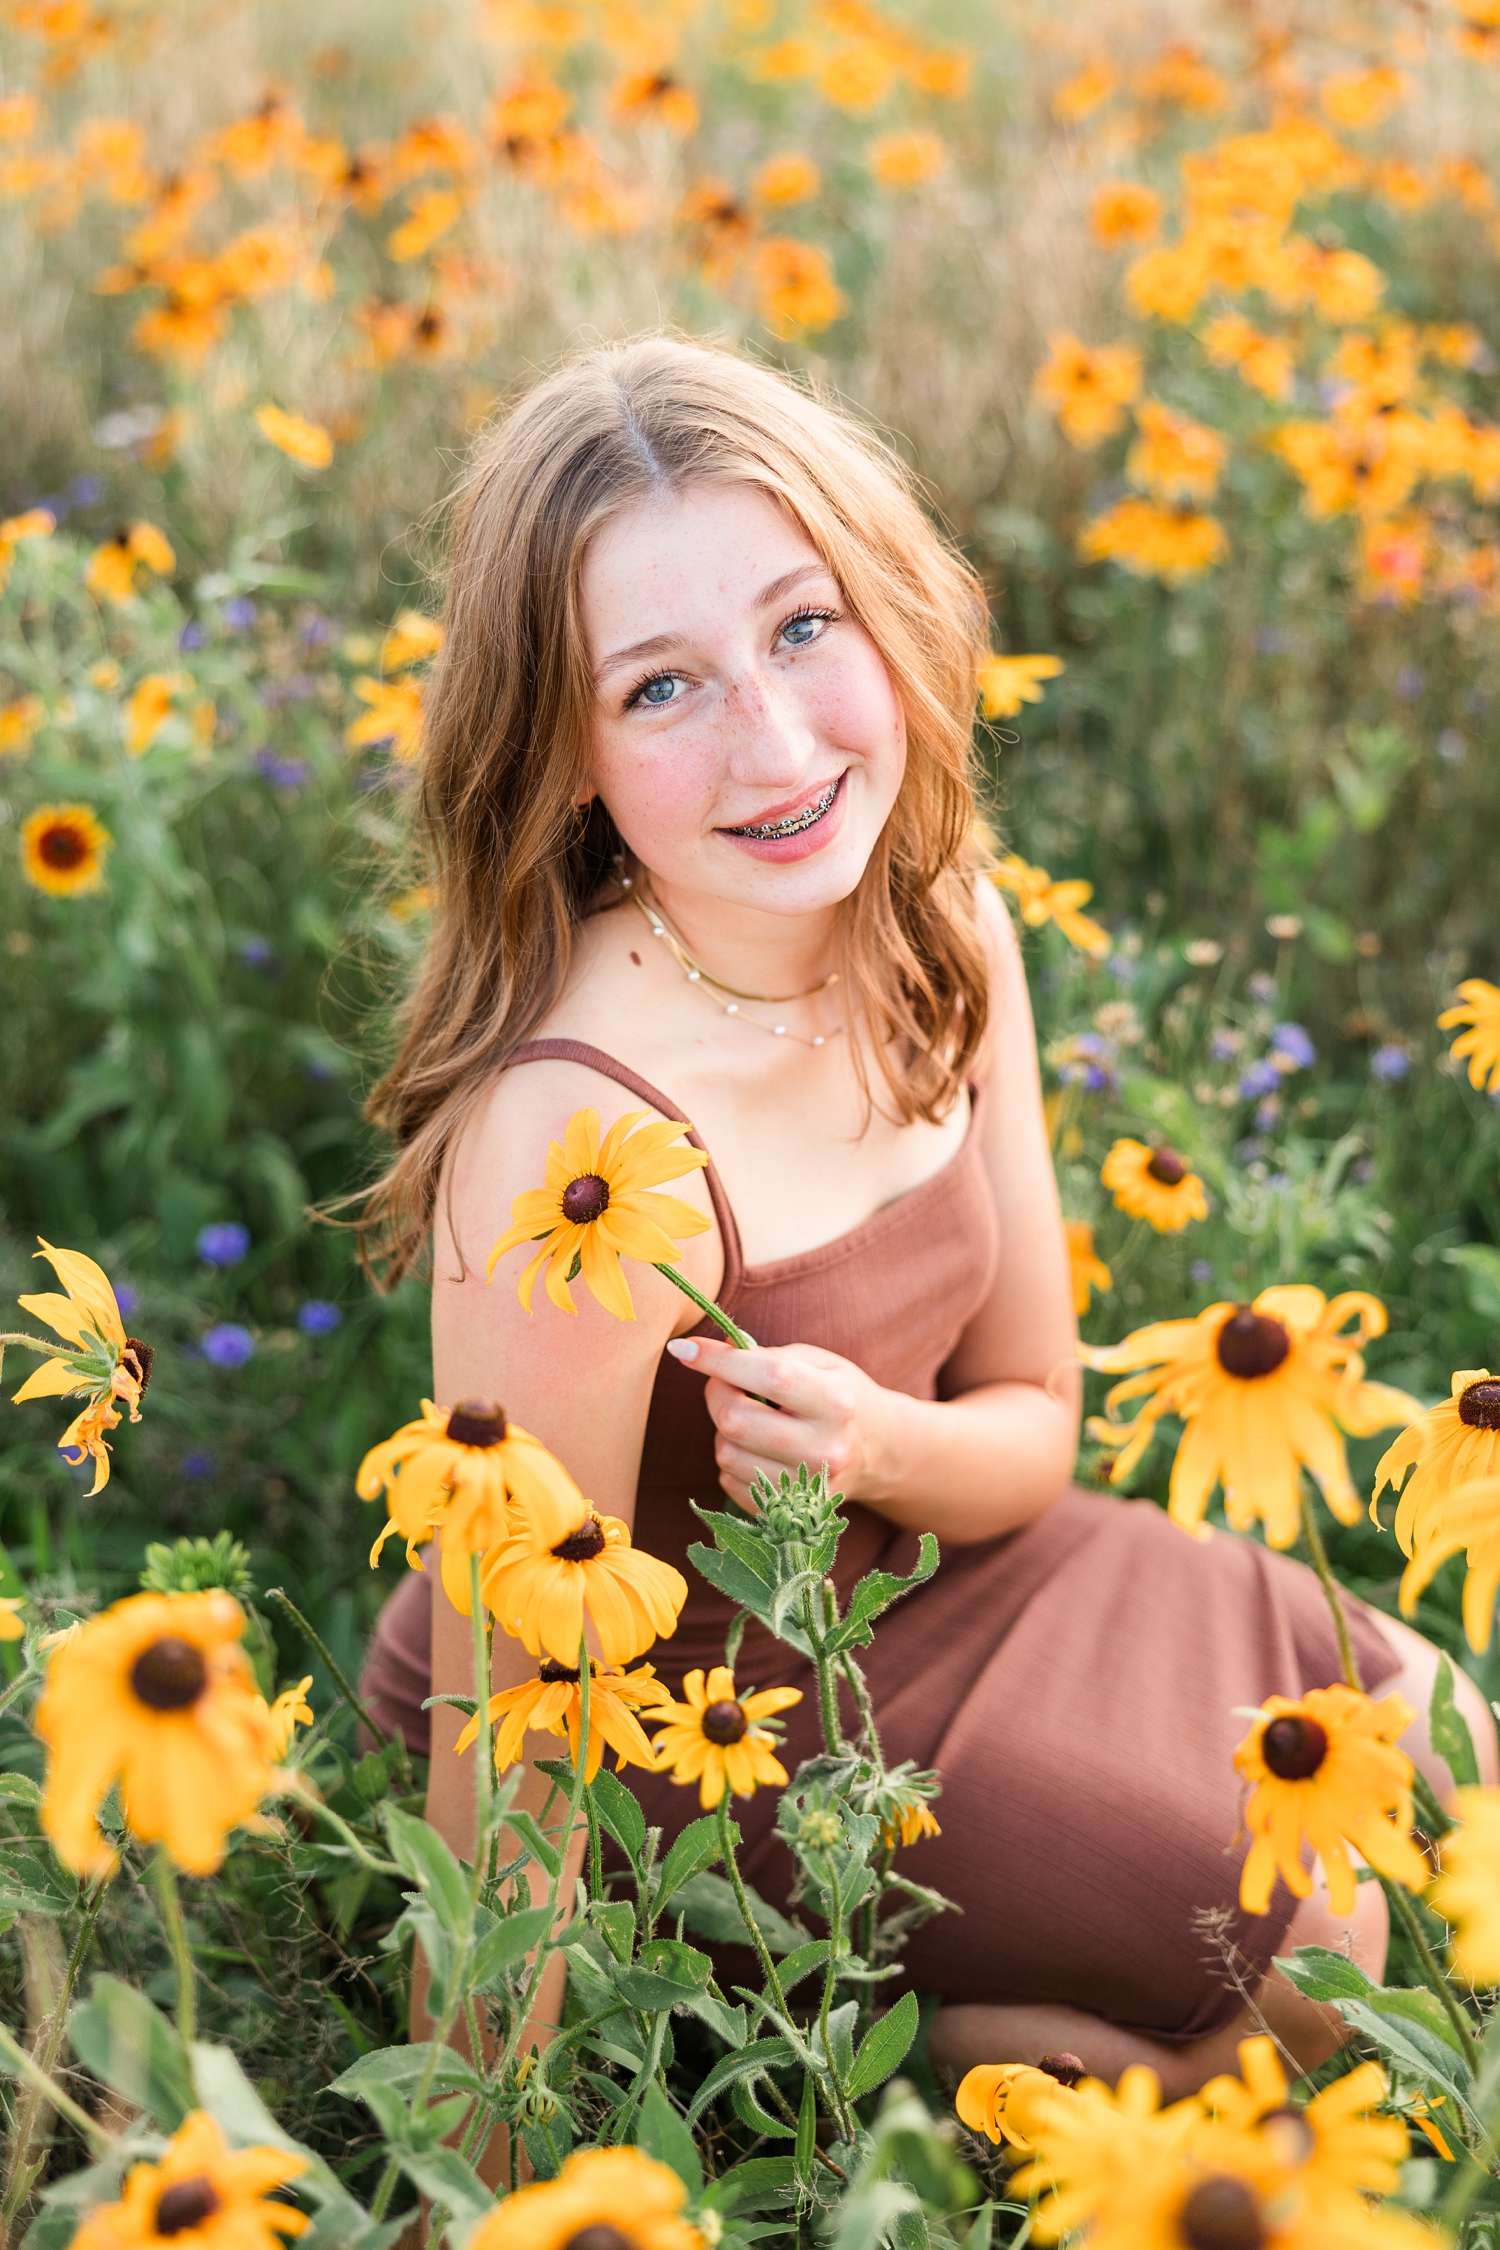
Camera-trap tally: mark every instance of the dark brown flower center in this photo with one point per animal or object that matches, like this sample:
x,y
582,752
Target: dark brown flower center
x,y
1251,1344
169,1674
1294,1747
142,1357
1479,1405
583,1544
1290,2134
1222,2213
477,1421
585,1199
551,1671
63,846
1066,2069
600,2236
186,2203
725,1722
1167,1166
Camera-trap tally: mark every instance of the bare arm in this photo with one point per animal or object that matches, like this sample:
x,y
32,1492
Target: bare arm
x,y
999,1448
583,1386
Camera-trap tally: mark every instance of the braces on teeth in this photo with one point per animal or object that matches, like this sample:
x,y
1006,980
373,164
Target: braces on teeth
x,y
794,822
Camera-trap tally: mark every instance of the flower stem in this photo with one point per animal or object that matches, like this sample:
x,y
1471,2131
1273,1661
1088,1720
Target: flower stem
x,y
679,1279
835,1943
1319,1553
170,1903
99,2141
726,1846
336,1673
484,1773
386,2188
828,1694
1432,1971
575,1800
48,2042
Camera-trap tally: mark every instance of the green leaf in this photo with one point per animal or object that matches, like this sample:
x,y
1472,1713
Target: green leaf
x,y
801,1964
1324,1975
442,2175
403,2067
666,1973
746,1588
727,2023
662,2133
884,2046
536,1843
620,1813
696,1848
1418,2006
709,1907
1449,1729
874,1595
760,2055
616,1918
423,1857
1410,2046
508,1942
807,2127
750,2111
20,1788
754,2185
124,2041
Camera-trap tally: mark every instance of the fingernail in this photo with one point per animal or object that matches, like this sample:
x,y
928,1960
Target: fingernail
x,y
683,1347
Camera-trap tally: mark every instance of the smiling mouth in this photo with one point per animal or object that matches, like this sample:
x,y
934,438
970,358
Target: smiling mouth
x,y
772,831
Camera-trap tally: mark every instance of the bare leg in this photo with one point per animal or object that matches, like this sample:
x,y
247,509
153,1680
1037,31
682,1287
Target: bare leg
x,y
1419,1662
964,2036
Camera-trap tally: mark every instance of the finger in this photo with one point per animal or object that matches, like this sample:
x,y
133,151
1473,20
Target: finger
x,y
775,1375
781,1437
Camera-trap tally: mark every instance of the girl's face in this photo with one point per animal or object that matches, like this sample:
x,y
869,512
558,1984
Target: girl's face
x,y
748,740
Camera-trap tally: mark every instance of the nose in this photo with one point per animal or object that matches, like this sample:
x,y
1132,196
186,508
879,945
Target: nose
x,y
767,740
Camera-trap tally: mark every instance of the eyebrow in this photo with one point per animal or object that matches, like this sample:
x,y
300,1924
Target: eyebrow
x,y
661,644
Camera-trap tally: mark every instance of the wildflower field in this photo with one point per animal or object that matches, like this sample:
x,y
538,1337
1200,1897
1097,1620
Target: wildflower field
x,y
1186,318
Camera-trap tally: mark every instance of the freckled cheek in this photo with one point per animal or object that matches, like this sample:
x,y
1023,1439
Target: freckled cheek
x,y
668,792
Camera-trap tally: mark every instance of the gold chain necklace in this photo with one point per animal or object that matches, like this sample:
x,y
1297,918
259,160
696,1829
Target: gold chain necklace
x,y
696,974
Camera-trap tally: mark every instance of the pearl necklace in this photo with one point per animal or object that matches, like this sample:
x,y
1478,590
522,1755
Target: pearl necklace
x,y
700,976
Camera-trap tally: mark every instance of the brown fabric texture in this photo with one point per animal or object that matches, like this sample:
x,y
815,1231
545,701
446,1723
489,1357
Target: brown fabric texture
x,y
1075,1682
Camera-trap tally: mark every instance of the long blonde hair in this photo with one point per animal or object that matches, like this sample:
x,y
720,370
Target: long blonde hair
x,y
510,715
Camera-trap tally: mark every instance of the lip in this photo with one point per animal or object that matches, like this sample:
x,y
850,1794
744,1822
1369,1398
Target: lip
x,y
788,805
802,843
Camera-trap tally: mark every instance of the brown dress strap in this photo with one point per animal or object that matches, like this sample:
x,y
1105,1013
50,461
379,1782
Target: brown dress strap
x,y
594,1058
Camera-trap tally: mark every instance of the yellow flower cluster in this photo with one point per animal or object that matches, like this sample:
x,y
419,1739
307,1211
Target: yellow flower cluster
x,y
1236,2163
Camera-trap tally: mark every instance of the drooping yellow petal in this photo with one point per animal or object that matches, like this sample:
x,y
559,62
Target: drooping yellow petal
x,y
53,1379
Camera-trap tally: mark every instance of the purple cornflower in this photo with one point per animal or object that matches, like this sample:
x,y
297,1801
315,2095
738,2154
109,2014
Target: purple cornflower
x,y
319,1318
239,612
1390,1062
228,1345
224,1243
1261,1078
1291,1042
197,1465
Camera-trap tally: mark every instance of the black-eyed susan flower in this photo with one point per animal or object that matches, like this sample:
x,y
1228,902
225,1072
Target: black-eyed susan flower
x,y
1154,1184
62,850
1478,1007
596,1209
36,523
1006,682
602,2199
552,1703
1467,1891
411,640
1041,900
1332,2146
1326,1767
1154,540
112,567
1174,456
713,1739
290,1711
1088,387
560,1563
908,1825
200,2194
149,707
454,1473
1086,1269
395,717
304,442
99,1359
1265,1390
1091,2149
1466,1519
997,2099
158,1695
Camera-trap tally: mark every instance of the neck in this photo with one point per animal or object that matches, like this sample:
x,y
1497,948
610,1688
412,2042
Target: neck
x,y
749,949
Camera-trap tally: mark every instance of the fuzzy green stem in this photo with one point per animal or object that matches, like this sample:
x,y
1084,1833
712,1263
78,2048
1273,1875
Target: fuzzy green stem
x,y
1432,1971
484,1772
170,1903
345,1687
575,1800
679,1280
386,2189
1319,1553
861,1694
726,1846
835,1942
52,1348
828,1694
49,2042
99,2141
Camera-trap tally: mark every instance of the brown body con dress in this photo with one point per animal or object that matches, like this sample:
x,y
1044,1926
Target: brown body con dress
x,y
1075,1682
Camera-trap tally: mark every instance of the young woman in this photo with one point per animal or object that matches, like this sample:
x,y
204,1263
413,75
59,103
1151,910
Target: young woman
x,y
698,787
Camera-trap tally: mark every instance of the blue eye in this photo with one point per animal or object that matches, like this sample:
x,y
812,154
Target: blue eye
x,y
801,631
659,691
